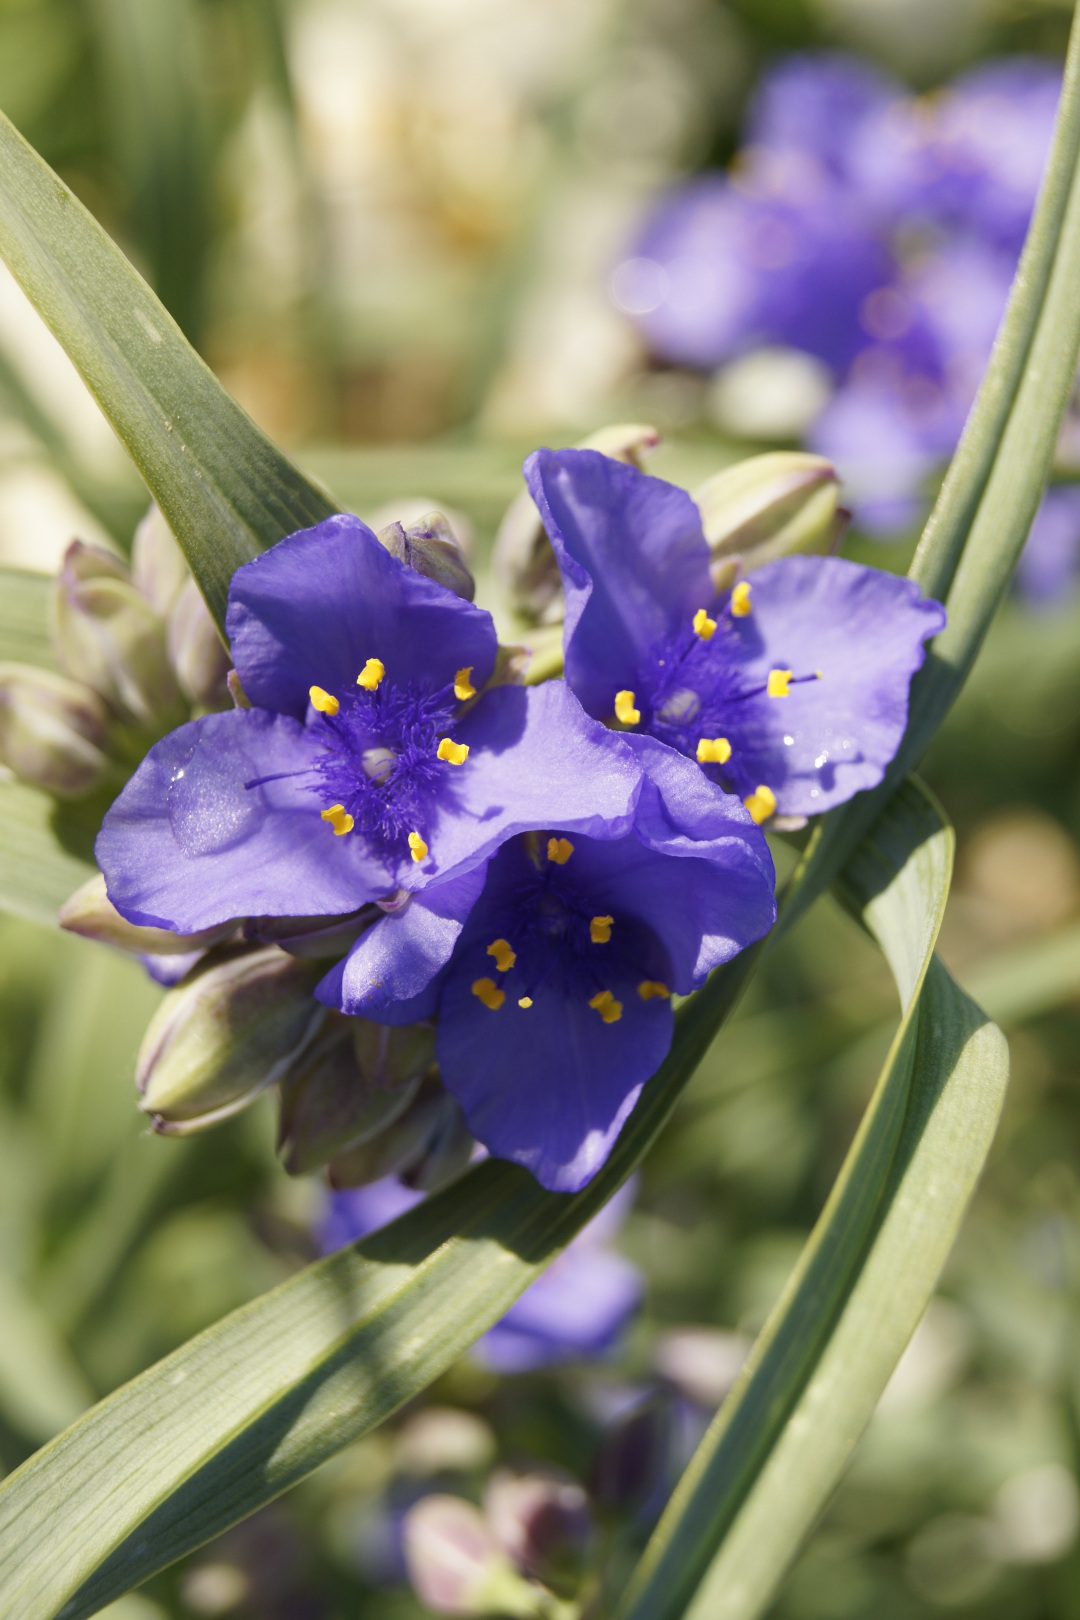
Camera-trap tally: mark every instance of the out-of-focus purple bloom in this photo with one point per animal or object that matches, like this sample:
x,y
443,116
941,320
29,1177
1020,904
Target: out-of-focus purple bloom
x,y
1050,563
817,104
968,157
576,1309
563,975
365,769
791,693
778,255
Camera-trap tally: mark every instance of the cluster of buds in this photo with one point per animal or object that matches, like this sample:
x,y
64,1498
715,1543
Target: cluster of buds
x,y
524,1553
138,654
776,505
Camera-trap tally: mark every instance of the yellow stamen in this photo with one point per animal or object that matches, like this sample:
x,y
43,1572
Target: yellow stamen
x,y
740,600
560,850
504,954
417,847
703,625
605,1004
625,712
324,702
488,992
761,804
526,1001
339,819
653,990
371,674
713,751
600,930
463,687
779,681
452,753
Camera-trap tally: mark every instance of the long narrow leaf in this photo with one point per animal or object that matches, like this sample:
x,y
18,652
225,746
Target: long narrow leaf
x,y
227,492
899,1159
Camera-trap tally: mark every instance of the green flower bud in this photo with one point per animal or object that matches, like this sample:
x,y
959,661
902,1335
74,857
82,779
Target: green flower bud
x,y
456,1565
353,1082
52,730
234,1027
523,561
91,913
428,547
109,636
769,506
199,657
158,568
432,1119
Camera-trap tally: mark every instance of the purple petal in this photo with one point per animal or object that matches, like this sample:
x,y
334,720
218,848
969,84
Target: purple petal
x,y
396,960
315,608
189,844
535,760
634,562
578,1307
833,737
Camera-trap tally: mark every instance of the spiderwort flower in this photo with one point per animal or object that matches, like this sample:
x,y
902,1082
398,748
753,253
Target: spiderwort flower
x,y
790,690
554,1003
372,763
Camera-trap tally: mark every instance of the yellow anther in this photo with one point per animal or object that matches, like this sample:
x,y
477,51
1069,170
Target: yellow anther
x,y
740,600
504,954
488,992
779,681
452,753
463,687
761,804
713,751
625,712
371,674
653,990
560,850
417,847
703,625
600,930
526,1001
324,702
339,818
605,1004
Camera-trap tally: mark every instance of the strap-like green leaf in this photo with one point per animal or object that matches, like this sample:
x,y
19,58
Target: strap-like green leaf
x,y
227,492
257,1401
779,1443
44,851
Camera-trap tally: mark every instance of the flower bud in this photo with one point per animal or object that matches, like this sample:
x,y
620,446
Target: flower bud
x,y
430,1121
91,913
543,1522
523,561
446,1152
332,1101
52,730
456,1566
109,636
775,505
199,657
428,547
631,1466
158,568
315,937
409,509
228,1032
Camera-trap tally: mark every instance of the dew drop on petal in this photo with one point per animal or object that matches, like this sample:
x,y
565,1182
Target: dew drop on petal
x,y
208,806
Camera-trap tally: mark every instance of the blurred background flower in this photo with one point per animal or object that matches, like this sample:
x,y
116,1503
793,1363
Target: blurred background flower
x,y
416,238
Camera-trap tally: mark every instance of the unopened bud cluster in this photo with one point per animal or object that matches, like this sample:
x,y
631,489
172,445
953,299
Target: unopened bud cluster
x,y
138,654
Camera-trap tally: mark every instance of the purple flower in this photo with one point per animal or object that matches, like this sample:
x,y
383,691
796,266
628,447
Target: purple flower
x,y
1050,561
779,255
968,157
576,1309
554,1005
791,691
369,768
817,104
